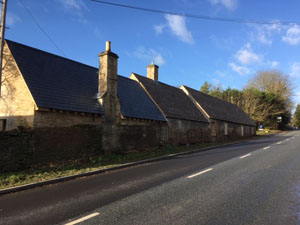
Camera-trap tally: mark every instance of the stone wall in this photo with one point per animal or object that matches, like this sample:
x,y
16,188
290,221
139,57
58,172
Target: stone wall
x,y
57,146
64,119
124,138
16,150
235,131
46,147
16,103
187,132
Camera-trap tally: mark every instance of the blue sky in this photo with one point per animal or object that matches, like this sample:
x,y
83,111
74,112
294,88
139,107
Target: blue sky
x,y
189,51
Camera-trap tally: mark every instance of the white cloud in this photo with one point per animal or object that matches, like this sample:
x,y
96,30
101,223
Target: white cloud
x,y
292,35
73,4
242,70
273,64
264,33
246,55
229,4
12,19
295,69
158,59
159,28
178,27
76,8
149,55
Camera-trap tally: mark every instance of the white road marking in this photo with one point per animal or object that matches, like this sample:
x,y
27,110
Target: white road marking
x,y
197,174
83,218
266,147
279,142
244,156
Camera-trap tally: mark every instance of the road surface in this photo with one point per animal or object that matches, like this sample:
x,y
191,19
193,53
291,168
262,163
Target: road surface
x,y
253,182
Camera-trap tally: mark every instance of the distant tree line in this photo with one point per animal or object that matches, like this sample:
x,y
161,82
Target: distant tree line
x,y
267,98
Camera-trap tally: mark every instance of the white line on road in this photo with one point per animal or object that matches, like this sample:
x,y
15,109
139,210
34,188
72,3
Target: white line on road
x,y
266,148
197,174
279,142
244,156
83,218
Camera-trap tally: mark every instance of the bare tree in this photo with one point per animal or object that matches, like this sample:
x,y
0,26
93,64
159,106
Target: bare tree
x,y
273,81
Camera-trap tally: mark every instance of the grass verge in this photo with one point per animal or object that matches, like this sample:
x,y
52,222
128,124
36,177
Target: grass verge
x,y
267,132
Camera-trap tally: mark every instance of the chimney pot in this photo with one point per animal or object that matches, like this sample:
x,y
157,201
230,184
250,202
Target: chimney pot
x,y
108,46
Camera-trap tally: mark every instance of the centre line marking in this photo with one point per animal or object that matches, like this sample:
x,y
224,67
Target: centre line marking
x,y
244,156
197,174
266,147
279,142
83,219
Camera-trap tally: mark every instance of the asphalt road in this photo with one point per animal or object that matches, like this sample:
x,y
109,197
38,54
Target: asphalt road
x,y
254,182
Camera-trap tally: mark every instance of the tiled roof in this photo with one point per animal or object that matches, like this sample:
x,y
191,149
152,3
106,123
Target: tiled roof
x,y
172,101
59,83
56,82
135,102
219,109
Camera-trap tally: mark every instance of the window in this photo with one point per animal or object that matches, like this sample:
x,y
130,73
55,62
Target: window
x,y
242,130
164,133
2,124
226,128
213,129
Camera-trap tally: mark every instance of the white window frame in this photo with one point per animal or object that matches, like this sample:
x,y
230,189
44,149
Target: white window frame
x,y
226,128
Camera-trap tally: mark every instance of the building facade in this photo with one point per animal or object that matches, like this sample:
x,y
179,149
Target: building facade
x,y
42,90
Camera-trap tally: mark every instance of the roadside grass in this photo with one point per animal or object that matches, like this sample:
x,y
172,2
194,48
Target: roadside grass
x,y
13,179
267,132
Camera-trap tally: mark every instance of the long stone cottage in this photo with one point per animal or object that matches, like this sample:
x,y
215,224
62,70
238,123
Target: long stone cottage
x,y
43,90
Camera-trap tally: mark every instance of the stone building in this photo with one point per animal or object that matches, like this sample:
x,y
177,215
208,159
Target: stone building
x,y
227,121
40,89
43,90
186,124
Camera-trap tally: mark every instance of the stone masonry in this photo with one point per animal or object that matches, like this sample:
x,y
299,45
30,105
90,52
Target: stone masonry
x,y
16,103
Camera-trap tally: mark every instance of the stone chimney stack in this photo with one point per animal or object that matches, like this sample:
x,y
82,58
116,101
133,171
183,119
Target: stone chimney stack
x,y
152,72
108,84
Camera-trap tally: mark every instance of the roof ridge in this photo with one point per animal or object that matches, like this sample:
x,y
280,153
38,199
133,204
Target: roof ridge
x,y
49,53
212,96
127,78
158,81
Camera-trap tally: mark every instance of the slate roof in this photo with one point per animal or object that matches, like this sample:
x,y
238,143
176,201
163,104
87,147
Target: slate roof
x,y
219,109
56,82
135,102
172,101
59,83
